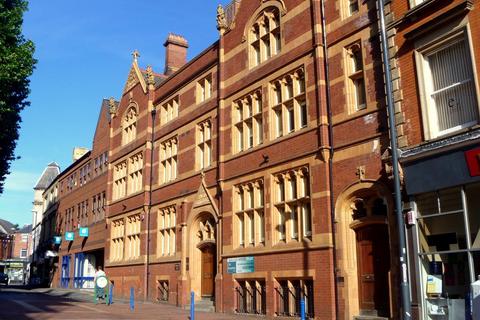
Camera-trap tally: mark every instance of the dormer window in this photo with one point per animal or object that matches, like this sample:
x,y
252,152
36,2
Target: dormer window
x,y
265,37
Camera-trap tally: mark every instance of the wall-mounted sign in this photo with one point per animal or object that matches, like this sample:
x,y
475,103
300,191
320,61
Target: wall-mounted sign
x,y
69,236
83,232
57,239
473,162
241,265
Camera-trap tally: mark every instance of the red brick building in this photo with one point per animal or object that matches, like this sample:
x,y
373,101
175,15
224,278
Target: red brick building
x,y
7,239
258,173
220,172
22,243
80,211
434,48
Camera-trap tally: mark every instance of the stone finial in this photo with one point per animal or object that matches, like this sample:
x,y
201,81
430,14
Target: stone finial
x,y
135,55
150,77
112,106
221,20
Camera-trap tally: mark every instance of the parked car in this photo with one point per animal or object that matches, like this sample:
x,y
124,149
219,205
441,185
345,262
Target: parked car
x,y
3,278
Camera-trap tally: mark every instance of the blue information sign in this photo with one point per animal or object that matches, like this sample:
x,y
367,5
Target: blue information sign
x,y
69,236
57,239
241,265
83,232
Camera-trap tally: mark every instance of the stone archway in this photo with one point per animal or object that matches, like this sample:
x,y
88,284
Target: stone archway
x,y
363,245
203,255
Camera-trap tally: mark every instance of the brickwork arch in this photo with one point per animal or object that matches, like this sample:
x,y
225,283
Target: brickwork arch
x,y
354,210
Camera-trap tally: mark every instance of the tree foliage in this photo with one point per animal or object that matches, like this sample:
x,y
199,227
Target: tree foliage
x,y
16,65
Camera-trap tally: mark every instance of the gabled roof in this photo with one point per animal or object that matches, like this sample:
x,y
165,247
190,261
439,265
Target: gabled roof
x,y
49,173
159,78
6,227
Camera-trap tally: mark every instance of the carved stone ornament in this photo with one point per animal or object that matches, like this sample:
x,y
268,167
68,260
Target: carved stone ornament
x,y
150,77
360,173
112,106
388,166
221,20
131,80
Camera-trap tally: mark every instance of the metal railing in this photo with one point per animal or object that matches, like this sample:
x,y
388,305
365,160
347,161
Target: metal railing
x,y
163,291
289,297
83,282
251,299
64,282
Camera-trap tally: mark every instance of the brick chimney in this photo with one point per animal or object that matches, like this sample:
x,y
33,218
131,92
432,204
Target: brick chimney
x,y
175,53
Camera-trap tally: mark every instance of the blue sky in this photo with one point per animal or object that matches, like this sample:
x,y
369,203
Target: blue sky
x,y
84,51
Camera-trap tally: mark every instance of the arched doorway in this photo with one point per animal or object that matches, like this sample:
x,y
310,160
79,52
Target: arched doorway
x,y
203,256
364,243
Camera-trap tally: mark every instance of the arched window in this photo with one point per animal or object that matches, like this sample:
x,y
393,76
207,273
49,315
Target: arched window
x,y
356,85
129,126
264,37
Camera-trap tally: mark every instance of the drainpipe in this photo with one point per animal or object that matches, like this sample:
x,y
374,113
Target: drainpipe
x,y
330,158
406,312
153,111
323,43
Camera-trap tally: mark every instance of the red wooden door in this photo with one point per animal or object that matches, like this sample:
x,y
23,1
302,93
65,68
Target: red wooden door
x,y
208,269
373,260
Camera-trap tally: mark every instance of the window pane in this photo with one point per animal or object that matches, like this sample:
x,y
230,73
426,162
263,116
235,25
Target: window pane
x,y
303,113
278,118
359,93
453,88
291,119
251,233
473,201
261,226
307,221
294,221
442,233
451,269
281,223
353,6
241,229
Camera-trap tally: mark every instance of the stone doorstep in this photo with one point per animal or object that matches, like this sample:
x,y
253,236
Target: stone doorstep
x,y
203,305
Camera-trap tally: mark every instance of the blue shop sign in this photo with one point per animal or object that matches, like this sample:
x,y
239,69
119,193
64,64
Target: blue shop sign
x,y
69,236
57,239
241,265
83,232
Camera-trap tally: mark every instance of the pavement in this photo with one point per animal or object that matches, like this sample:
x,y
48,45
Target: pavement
x,y
23,303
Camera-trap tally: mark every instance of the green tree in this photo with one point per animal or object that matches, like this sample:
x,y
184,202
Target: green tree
x,y
16,65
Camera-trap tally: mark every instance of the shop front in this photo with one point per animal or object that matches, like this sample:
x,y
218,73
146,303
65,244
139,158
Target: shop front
x,y
444,217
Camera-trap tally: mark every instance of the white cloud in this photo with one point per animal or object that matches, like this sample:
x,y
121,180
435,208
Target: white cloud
x,y
21,181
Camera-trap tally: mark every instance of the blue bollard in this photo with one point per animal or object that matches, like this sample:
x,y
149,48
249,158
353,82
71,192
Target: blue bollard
x,y
132,302
110,294
302,309
192,306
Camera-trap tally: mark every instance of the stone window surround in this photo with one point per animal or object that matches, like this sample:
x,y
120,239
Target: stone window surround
x,y
248,112
249,220
422,44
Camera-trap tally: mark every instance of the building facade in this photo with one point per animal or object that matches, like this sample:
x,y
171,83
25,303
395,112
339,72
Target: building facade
x,y
39,207
435,57
44,259
23,242
259,173
80,211
7,230
220,173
